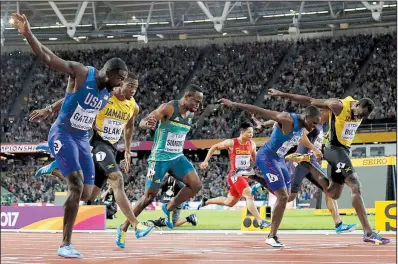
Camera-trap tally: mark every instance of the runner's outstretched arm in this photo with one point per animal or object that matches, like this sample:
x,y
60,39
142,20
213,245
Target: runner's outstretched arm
x,y
284,119
72,68
268,124
306,142
40,114
273,115
332,103
229,143
164,111
128,137
261,125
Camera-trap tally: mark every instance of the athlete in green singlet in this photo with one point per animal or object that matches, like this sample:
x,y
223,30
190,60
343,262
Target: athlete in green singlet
x,y
175,121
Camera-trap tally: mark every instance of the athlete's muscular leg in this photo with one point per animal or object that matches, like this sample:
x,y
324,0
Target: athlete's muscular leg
x,y
261,181
58,174
193,186
330,188
71,206
115,180
180,222
250,204
320,178
333,209
282,197
87,190
94,193
357,202
330,203
229,201
292,197
140,205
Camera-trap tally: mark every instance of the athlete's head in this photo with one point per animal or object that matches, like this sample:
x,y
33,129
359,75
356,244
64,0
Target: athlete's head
x,y
362,108
116,71
129,86
312,117
324,115
246,130
193,97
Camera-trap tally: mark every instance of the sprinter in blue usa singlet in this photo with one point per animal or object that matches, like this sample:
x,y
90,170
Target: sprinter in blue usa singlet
x,y
87,92
270,158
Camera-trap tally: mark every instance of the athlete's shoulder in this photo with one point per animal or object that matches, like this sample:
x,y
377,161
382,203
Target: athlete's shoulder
x,y
348,99
132,102
168,105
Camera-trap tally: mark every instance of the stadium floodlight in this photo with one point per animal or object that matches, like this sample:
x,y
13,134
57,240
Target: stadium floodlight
x,y
70,27
375,9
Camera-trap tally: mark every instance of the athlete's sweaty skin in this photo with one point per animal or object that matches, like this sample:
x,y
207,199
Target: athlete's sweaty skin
x,y
189,103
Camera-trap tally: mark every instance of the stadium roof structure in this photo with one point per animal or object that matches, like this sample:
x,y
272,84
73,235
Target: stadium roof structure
x,y
118,21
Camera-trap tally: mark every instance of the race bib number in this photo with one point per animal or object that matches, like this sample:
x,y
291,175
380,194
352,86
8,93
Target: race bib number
x,y
83,119
175,143
112,129
349,131
287,145
318,142
242,161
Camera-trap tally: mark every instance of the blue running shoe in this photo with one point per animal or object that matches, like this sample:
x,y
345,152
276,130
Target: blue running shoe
x,y
343,228
43,147
255,188
264,224
120,237
143,230
69,252
47,170
202,203
169,221
376,239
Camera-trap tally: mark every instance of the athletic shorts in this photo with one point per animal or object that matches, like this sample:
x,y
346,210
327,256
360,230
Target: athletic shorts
x,y
237,184
72,153
273,169
105,161
339,163
178,167
300,172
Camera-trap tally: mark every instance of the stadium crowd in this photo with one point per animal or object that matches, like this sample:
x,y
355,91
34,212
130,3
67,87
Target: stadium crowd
x,y
322,67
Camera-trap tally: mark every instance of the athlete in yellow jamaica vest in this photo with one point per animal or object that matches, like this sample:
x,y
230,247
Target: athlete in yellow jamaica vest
x,y
345,116
116,117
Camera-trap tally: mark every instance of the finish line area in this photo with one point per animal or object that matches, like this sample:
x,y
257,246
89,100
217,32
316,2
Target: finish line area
x,y
199,246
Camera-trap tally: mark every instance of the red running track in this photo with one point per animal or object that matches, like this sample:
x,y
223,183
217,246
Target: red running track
x,y
196,248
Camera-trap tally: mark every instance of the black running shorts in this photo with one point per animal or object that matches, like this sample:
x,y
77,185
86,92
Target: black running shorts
x,y
339,163
105,161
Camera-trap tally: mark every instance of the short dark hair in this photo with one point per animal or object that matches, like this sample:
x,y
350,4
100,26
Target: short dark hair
x,y
131,76
245,125
312,111
367,103
115,64
192,88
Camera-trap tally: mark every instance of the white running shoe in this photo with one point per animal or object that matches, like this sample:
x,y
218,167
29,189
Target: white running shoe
x,y
274,242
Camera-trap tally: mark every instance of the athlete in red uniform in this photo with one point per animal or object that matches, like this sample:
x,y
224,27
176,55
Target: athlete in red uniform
x,y
241,151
